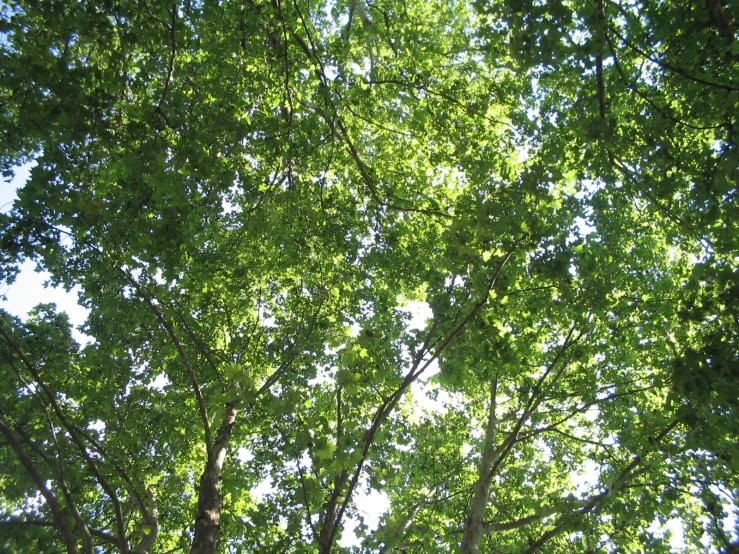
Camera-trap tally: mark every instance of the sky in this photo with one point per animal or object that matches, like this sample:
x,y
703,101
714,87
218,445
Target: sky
x,y
30,287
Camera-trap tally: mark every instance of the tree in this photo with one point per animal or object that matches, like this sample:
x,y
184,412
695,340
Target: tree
x,y
251,197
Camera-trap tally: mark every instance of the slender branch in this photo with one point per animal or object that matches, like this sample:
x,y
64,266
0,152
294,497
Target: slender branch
x,y
339,416
670,67
287,363
660,110
181,351
27,523
599,35
74,436
335,121
288,116
172,27
405,524
58,469
581,440
534,400
426,501
626,172
306,501
116,463
40,483
577,410
626,475
495,527
190,372
720,20
198,342
369,121
107,537
415,371
476,310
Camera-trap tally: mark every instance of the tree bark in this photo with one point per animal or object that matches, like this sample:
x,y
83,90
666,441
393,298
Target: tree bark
x,y
720,20
474,527
150,515
208,523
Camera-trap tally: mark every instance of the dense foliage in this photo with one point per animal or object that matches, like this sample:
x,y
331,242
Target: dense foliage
x,y
255,196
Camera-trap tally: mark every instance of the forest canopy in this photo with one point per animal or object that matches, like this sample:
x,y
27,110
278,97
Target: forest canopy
x,y
477,260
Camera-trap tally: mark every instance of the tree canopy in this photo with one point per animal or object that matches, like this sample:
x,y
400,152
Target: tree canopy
x,y
255,197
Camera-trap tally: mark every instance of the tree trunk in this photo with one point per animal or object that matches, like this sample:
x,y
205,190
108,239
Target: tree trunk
x,y
150,514
208,523
473,527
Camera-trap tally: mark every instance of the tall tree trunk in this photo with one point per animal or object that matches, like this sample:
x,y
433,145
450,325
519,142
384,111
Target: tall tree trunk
x,y
150,523
474,527
208,523
331,515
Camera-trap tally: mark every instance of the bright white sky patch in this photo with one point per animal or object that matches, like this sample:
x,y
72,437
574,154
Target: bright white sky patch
x,y
371,506
30,287
420,314
97,425
244,455
672,528
159,382
8,189
586,479
262,489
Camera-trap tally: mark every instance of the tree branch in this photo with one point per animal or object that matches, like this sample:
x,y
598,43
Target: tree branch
x,y
150,523
599,35
670,67
415,371
534,400
80,524
660,110
172,28
109,490
626,475
40,483
495,527
720,20
181,351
